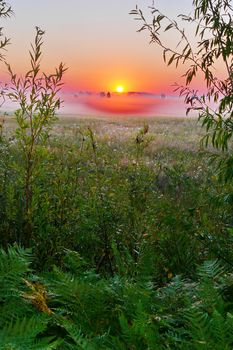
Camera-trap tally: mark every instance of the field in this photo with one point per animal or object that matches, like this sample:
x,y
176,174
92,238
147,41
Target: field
x,y
181,133
122,238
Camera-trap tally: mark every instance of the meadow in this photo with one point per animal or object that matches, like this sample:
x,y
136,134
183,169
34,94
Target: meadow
x,y
126,242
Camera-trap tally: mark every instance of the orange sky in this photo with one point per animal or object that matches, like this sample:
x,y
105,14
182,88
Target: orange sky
x,y
97,40
99,43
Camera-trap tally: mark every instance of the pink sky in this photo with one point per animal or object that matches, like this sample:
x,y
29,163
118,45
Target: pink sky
x,y
96,39
98,42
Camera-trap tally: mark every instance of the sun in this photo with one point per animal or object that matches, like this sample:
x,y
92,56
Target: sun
x,y
120,89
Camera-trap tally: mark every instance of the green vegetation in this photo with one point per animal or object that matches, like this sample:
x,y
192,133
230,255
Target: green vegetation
x,y
131,240
204,41
37,96
115,234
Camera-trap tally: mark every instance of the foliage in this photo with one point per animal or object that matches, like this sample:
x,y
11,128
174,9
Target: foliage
x,y
5,12
211,22
124,313
38,101
19,324
153,295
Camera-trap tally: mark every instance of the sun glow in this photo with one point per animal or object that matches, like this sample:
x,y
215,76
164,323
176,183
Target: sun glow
x,y
120,89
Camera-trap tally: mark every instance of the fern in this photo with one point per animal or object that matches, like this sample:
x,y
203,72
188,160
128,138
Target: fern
x,y
209,325
116,313
140,331
14,265
210,269
198,328
220,329
86,299
209,292
21,326
23,333
76,341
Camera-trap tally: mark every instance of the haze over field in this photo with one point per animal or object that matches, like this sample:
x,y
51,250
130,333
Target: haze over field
x,y
129,104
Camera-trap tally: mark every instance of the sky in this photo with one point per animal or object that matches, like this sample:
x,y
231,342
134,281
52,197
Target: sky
x,y
97,40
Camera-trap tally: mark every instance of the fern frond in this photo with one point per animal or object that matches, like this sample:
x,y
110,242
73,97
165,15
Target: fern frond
x,y
75,334
14,265
211,269
218,328
23,333
198,327
208,290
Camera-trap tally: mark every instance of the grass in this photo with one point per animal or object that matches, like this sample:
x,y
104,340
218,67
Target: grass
x,y
180,132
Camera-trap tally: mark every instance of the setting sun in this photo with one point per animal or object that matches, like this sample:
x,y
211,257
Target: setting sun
x,y
120,88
